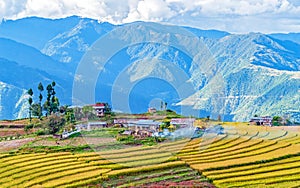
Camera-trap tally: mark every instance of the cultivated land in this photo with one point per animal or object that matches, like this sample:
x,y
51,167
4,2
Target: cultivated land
x,y
244,156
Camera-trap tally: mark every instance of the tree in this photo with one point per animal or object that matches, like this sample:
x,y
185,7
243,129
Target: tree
x,y
41,89
78,113
219,117
277,121
89,112
36,109
69,115
30,92
163,106
68,112
54,123
30,101
47,104
52,103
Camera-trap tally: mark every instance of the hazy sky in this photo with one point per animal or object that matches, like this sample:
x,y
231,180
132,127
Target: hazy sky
x,y
238,16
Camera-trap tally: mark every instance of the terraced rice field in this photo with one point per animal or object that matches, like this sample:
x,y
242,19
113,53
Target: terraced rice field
x,y
245,156
123,168
250,157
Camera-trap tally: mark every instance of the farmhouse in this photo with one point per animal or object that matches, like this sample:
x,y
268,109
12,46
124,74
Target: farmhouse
x,y
123,121
151,110
143,124
96,125
182,122
266,120
138,127
101,109
81,127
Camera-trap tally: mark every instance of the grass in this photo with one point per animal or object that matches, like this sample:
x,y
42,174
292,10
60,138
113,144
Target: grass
x,y
103,133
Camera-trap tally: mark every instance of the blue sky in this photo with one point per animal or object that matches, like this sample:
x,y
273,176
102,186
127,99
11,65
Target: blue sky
x,y
236,16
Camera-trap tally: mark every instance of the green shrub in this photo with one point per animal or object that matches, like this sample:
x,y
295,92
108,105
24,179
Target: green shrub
x,y
28,127
128,139
40,132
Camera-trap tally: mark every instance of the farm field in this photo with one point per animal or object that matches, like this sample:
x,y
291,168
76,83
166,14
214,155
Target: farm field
x,y
244,156
249,156
65,169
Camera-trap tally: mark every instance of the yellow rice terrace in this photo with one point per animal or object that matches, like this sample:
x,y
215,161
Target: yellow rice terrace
x,y
242,156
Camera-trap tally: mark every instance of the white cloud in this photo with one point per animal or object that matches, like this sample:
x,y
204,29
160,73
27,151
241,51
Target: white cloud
x,y
230,15
150,10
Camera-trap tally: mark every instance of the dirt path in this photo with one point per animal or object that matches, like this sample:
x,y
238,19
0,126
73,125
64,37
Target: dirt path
x,y
14,144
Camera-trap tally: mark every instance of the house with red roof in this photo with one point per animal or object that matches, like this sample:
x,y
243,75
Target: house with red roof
x,y
101,108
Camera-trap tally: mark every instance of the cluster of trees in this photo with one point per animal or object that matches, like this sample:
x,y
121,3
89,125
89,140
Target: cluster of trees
x,y
278,121
52,116
51,104
163,106
50,108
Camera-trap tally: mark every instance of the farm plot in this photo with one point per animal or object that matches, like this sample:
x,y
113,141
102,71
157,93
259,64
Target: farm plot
x,y
265,157
127,167
244,156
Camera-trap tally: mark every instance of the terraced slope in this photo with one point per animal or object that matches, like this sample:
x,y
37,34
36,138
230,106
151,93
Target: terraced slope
x,y
136,166
244,156
263,157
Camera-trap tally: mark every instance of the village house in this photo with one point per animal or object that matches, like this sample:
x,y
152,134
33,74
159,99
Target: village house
x,y
152,110
96,125
123,122
143,124
139,127
182,122
265,120
101,109
81,127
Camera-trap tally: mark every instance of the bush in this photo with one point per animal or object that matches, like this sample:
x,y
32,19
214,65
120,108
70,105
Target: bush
x,y
54,123
40,132
128,139
28,127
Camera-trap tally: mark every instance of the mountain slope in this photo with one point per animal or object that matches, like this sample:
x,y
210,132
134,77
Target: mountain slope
x,y
293,37
34,31
233,75
69,46
16,79
30,57
254,75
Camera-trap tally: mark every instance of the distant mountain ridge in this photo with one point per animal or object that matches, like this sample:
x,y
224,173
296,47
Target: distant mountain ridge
x,y
238,76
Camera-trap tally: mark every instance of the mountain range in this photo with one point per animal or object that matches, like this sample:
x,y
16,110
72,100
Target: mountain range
x,y
209,72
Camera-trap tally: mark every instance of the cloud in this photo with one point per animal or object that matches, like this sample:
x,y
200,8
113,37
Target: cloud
x,y
150,10
230,15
